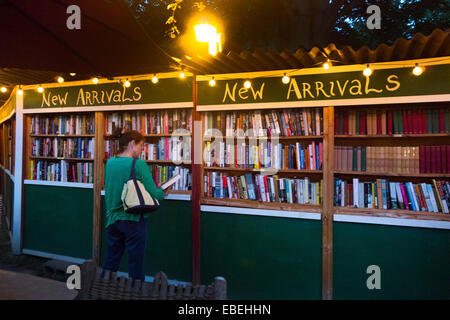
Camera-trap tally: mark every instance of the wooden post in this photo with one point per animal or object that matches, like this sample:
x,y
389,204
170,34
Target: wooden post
x,y
327,207
98,186
196,188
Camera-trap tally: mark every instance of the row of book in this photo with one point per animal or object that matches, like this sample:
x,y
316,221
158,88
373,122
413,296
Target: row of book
x,y
262,188
62,171
166,149
383,194
63,124
162,174
418,159
150,122
82,148
265,155
290,122
385,122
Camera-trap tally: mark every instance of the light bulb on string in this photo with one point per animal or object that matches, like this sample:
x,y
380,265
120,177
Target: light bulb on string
x,y
155,79
367,71
40,89
95,80
417,71
127,83
182,75
212,82
247,84
3,89
60,79
327,65
285,79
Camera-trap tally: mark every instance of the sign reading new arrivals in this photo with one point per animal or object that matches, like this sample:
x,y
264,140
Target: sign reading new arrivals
x,y
323,88
170,90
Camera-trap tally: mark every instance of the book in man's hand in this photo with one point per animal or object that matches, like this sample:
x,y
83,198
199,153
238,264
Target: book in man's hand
x,y
167,184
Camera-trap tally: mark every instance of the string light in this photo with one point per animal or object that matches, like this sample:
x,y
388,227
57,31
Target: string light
x,y
127,83
72,74
417,71
20,91
247,84
3,89
212,82
40,89
285,79
155,79
60,79
95,80
327,64
367,71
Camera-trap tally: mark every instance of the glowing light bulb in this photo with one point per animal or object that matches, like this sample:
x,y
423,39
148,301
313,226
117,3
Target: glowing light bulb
x,y
285,79
155,79
72,74
327,65
3,89
417,71
20,92
212,82
127,83
247,84
367,71
95,80
60,79
181,75
40,89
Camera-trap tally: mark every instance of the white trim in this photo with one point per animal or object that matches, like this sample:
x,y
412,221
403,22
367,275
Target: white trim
x,y
262,212
53,256
183,197
59,184
148,106
325,103
393,221
16,242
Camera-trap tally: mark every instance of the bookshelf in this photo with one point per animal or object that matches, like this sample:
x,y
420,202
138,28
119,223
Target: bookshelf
x,y
268,159
405,148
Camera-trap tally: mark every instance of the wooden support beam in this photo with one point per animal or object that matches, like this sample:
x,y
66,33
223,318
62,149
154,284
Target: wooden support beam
x,y
327,213
98,186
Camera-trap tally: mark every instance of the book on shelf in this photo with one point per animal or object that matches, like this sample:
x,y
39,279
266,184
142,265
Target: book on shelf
x,y
265,123
266,154
63,124
61,147
383,194
62,171
163,174
150,122
403,160
262,188
414,120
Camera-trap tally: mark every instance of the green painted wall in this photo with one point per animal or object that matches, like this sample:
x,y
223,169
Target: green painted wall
x,y
262,257
169,241
414,262
58,220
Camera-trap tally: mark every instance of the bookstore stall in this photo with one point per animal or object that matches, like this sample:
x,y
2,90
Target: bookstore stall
x,y
64,140
316,183
7,142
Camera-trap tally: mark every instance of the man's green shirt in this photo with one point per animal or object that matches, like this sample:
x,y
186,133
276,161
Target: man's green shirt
x,y
117,173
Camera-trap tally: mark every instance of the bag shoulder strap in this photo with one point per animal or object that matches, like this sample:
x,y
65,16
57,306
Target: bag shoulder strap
x,y
133,171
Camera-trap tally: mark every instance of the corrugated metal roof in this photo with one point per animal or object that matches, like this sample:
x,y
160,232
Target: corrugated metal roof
x,y
437,44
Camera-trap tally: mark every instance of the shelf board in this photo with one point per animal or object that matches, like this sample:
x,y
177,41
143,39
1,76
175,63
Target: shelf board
x,y
60,158
262,205
393,174
187,192
109,136
405,214
185,163
265,138
62,135
262,170
361,136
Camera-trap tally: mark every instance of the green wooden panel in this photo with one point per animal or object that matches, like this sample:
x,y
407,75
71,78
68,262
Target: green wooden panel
x,y
58,220
398,82
140,92
262,257
414,262
169,241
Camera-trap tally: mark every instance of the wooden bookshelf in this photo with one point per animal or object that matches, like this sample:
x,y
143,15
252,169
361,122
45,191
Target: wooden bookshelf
x,y
262,170
62,135
108,136
387,136
393,174
61,158
265,138
398,213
